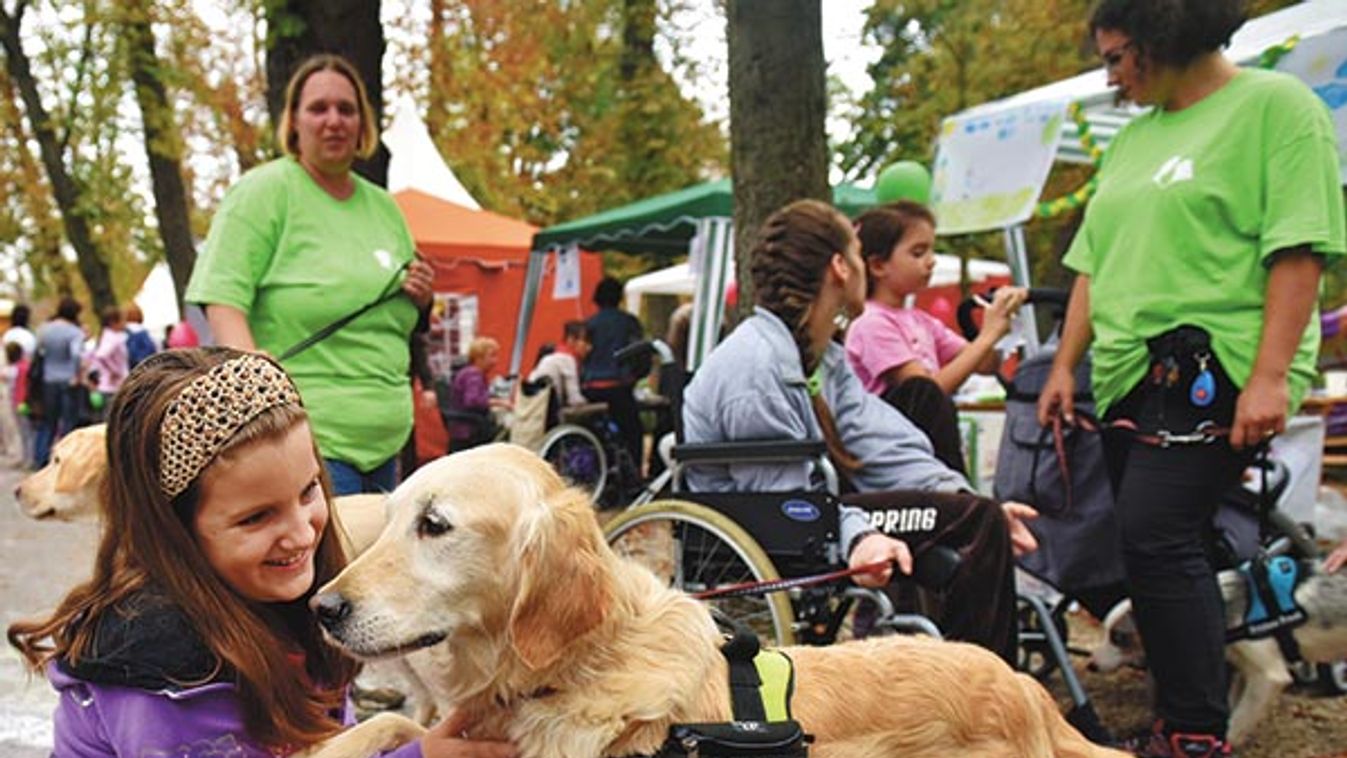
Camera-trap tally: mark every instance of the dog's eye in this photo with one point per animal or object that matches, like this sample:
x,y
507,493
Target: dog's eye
x,y
1120,638
432,524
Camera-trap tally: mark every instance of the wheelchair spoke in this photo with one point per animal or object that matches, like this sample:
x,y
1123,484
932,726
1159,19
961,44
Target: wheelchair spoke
x,y
694,556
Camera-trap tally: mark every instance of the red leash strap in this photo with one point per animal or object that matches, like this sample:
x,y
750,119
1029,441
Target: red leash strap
x,y
1206,432
743,589
1082,421
1059,447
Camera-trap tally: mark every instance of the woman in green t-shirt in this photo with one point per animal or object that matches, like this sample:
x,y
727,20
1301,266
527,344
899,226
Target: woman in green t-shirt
x,y
1199,261
302,241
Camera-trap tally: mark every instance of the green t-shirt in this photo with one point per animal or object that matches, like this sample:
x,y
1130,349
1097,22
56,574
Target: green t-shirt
x,y
1190,205
295,259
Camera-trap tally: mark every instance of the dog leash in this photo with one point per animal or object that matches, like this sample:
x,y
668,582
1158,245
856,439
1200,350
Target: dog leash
x,y
385,295
744,589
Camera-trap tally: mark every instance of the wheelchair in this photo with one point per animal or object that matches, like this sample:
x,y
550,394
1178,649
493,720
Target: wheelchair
x,y
714,542
586,449
585,446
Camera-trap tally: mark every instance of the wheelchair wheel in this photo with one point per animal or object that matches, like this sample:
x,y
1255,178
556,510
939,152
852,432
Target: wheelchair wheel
x,y
696,548
1034,655
578,456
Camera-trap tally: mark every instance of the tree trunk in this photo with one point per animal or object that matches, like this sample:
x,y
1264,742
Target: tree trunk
x,y
50,271
349,28
63,185
778,100
163,147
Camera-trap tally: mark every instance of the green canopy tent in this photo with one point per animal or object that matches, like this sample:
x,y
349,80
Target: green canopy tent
x,y
694,221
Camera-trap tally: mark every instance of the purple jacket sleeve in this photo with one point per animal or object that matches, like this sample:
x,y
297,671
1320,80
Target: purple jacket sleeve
x,y
98,721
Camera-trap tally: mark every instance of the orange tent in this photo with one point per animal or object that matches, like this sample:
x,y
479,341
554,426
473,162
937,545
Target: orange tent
x,y
484,254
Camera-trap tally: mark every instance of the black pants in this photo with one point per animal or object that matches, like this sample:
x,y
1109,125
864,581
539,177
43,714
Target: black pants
x,y
624,411
978,605
922,401
1165,500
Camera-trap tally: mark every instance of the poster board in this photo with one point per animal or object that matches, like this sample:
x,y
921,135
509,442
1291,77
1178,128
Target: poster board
x,y
990,166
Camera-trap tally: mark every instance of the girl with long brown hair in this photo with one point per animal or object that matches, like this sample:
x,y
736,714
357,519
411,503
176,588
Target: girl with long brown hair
x,y
781,375
193,635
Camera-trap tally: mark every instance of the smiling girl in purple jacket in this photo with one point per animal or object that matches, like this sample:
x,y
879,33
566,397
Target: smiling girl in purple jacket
x,y
193,637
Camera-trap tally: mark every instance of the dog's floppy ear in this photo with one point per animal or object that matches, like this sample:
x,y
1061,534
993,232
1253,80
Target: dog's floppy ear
x,y
81,463
563,589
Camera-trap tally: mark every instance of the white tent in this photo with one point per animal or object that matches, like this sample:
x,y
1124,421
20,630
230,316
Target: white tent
x,y
416,163
158,301
1307,20
680,280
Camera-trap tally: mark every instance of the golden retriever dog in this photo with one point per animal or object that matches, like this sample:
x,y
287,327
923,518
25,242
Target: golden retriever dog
x,y
560,646
66,489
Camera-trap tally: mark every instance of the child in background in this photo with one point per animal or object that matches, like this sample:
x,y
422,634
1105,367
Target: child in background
x,y
15,427
907,356
194,635
562,366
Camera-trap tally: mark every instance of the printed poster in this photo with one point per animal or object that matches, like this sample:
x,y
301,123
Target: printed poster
x,y
990,166
1321,62
566,284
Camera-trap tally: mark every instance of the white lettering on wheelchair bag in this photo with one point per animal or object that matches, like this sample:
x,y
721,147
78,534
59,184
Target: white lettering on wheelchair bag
x,y
899,520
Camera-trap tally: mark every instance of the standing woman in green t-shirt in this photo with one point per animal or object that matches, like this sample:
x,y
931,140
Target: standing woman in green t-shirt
x,y
302,241
1198,269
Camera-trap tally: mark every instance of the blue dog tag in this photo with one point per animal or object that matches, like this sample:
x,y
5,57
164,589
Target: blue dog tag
x,y
1203,391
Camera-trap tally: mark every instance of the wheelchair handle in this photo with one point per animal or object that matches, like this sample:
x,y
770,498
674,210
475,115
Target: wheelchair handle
x,y
657,346
1057,298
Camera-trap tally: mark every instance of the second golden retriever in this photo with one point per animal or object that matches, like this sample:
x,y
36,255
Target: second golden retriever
x,y
571,652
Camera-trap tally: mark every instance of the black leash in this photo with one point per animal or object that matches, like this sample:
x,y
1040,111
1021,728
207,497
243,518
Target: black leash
x,y
384,296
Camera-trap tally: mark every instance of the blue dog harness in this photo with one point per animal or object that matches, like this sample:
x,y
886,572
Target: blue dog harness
x,y
1273,611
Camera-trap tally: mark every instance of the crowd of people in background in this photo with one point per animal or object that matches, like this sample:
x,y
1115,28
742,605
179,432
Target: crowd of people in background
x,y
63,375
832,351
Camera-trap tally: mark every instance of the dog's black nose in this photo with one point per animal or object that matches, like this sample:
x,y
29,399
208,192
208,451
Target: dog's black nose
x,y
331,608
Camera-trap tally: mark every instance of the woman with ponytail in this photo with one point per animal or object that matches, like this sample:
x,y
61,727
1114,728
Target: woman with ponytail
x,y
781,376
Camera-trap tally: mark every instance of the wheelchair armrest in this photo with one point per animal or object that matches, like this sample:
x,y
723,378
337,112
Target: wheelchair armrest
x,y
757,450
577,413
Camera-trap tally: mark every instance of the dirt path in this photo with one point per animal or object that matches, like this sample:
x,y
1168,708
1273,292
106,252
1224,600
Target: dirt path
x,y
1302,725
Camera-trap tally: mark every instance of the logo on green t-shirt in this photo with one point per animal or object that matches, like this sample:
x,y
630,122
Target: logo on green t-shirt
x,y
1176,169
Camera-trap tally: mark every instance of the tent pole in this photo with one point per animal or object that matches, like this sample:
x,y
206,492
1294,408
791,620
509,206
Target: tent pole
x,y
532,283
710,258
1017,255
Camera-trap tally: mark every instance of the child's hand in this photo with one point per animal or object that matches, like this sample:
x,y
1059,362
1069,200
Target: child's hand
x,y
1005,304
448,740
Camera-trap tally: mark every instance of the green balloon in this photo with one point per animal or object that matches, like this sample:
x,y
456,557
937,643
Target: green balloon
x,y
904,180
96,400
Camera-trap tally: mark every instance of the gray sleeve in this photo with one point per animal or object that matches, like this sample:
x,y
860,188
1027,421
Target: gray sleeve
x,y
852,521
896,454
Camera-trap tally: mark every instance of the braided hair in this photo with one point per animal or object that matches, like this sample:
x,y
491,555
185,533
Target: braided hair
x,y
789,263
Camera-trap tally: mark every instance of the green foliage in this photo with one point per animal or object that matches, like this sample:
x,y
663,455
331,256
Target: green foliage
x,y
549,111
941,56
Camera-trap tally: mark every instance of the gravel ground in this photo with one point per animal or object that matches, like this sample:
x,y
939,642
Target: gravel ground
x,y
1303,724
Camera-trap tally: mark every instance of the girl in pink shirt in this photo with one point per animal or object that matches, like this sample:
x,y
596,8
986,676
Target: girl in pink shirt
x,y
907,356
